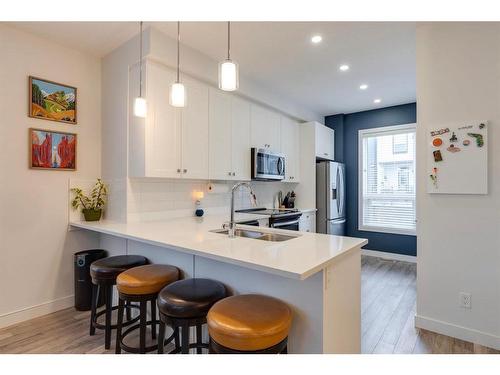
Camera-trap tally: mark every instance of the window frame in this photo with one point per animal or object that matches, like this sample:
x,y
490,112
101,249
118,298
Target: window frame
x,y
361,135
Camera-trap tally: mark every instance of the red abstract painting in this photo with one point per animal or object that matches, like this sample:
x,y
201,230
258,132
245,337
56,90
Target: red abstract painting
x,y
52,150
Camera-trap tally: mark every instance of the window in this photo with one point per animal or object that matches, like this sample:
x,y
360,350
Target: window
x,y
387,179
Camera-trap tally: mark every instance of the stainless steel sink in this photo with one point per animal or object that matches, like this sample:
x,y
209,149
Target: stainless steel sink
x,y
264,236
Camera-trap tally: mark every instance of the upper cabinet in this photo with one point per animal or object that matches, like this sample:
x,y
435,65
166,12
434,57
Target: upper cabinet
x,y
290,147
170,142
229,137
265,128
325,141
210,138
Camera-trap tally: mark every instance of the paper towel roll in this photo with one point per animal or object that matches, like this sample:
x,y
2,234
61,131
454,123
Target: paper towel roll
x,y
217,188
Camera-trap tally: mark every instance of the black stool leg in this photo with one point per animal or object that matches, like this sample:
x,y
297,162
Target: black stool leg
x,y
109,306
177,338
129,311
198,338
153,319
285,350
118,348
185,339
95,295
161,337
143,321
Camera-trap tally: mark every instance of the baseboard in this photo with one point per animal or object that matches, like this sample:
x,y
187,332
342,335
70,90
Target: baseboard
x,y
392,256
459,332
36,311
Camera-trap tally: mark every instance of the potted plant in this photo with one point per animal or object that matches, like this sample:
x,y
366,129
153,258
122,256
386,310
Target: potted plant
x,y
91,205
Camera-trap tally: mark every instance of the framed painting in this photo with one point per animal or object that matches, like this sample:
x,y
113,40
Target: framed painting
x,y
52,101
52,150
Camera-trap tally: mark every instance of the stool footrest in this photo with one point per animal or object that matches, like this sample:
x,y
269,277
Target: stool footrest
x,y
113,326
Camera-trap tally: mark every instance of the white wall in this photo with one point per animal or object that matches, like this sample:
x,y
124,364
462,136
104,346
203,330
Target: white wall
x,y
458,79
36,270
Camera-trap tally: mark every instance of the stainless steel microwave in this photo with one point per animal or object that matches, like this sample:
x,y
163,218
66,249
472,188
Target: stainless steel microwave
x,y
267,165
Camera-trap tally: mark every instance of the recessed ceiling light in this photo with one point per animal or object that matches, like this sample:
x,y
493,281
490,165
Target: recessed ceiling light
x,y
363,86
344,67
376,101
316,39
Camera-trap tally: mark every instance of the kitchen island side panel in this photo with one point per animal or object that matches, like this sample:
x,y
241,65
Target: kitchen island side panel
x,y
305,297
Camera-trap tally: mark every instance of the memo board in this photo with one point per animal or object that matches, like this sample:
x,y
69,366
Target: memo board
x,y
457,158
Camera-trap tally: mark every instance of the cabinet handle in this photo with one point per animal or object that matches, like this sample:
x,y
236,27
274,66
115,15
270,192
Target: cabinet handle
x,y
229,173
185,170
326,154
178,171
234,174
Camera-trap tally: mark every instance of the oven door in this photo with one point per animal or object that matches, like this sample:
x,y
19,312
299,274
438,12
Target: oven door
x,y
290,225
267,165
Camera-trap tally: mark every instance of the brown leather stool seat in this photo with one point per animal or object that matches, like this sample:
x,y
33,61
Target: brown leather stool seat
x,y
148,279
185,304
142,284
107,269
249,323
104,272
190,298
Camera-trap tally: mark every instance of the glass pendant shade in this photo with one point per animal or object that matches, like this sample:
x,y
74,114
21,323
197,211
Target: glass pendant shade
x,y
228,75
177,95
140,107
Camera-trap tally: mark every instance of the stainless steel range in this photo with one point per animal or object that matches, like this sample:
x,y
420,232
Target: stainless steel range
x,y
286,218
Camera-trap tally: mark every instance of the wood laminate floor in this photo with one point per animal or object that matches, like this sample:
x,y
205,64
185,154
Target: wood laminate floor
x,y
387,303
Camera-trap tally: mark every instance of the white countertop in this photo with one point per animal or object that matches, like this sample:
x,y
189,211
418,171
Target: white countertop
x,y
297,258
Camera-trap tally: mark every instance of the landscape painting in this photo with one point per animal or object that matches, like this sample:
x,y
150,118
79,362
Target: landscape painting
x,y
52,150
52,101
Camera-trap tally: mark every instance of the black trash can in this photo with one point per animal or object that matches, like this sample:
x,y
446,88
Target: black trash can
x,y
83,281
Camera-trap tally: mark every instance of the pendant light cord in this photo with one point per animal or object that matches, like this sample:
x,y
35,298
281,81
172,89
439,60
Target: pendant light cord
x,y
229,40
140,63
178,43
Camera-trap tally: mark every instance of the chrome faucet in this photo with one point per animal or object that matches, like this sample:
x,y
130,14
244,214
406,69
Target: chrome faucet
x,y
232,224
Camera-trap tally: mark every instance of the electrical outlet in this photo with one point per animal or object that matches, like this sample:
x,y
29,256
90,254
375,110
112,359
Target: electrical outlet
x,y
465,300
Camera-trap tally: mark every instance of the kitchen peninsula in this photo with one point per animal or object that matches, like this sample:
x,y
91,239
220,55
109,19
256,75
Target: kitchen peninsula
x,y
317,275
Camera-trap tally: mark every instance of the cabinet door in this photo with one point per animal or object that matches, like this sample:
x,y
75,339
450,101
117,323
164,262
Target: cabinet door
x,y
290,146
195,131
240,149
265,128
324,142
163,133
220,135
307,222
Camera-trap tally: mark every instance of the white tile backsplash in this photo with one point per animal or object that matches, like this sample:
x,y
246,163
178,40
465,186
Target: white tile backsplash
x,y
152,199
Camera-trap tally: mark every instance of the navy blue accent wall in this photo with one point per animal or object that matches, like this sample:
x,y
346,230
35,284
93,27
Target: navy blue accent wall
x,y
346,128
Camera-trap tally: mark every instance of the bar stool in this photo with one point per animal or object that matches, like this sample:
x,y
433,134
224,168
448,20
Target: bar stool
x,y
249,324
185,304
104,272
142,284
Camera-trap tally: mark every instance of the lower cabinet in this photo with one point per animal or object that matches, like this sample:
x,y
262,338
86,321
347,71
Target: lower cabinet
x,y
307,222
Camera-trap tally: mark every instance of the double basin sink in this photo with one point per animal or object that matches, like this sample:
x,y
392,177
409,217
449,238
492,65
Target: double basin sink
x,y
257,235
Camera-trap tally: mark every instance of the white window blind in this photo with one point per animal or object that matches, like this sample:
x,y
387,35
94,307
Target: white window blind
x,y
387,179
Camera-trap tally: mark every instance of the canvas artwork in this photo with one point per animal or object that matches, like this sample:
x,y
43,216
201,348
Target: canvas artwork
x,y
52,150
52,101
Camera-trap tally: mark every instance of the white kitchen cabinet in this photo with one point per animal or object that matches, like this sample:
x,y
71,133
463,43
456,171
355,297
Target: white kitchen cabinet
x,y
325,141
265,128
290,147
170,142
229,137
194,119
307,222
240,126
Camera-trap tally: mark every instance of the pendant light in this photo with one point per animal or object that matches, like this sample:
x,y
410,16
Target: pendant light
x,y
140,106
177,90
228,69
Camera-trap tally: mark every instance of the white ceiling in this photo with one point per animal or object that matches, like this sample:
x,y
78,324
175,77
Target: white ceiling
x,y
280,56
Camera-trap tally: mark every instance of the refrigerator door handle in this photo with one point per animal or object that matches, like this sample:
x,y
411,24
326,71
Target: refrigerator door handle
x,y
339,189
342,191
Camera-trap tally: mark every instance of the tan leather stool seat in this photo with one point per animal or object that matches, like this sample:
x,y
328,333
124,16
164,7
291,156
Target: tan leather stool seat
x,y
249,322
147,279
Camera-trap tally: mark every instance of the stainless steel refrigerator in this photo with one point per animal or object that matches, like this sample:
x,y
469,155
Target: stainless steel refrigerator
x,y
330,198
